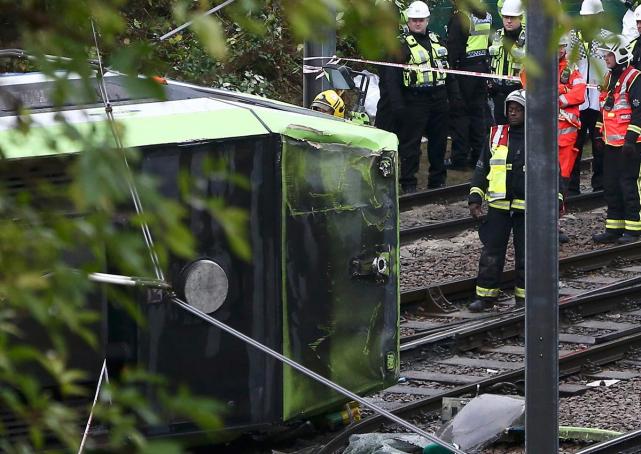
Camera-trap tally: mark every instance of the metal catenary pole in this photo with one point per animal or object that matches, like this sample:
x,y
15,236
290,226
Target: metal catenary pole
x,y
541,236
324,47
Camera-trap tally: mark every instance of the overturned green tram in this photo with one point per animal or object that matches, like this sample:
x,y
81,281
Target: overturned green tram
x,y
321,286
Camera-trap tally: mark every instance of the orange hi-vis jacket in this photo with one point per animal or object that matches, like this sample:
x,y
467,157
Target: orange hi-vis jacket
x,y
571,95
572,88
616,121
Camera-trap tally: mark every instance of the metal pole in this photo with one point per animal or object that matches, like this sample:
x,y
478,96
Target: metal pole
x,y
325,47
541,236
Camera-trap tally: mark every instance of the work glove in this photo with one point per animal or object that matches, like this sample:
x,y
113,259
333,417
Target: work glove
x,y
629,148
475,210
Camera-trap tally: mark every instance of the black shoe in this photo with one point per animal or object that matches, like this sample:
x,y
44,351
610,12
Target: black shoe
x,y
563,237
435,186
597,188
606,237
519,303
628,238
574,192
479,305
408,188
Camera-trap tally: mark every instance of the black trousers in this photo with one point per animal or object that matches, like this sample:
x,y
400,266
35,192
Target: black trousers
x,y
589,117
494,233
467,123
424,114
621,185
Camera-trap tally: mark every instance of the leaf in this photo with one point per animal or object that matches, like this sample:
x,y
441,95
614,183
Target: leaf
x,y
211,34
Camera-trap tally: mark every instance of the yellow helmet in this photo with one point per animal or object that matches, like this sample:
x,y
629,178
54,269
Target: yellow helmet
x,y
329,102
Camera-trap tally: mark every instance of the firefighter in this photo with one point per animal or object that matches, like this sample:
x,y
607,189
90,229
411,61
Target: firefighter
x,y
499,178
419,99
329,102
592,66
507,52
571,96
620,99
467,42
635,45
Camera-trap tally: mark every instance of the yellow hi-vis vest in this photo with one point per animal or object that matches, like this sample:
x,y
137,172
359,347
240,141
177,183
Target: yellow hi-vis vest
x,y
421,56
497,175
514,60
479,38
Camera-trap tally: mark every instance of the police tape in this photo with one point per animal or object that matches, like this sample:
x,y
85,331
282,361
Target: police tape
x,y
308,69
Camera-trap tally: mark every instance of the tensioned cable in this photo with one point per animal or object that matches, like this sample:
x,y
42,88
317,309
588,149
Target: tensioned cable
x,y
220,324
146,233
105,375
310,373
187,24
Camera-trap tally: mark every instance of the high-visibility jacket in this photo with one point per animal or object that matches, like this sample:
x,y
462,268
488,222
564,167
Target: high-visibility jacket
x,y
435,57
503,62
616,121
571,95
504,169
479,39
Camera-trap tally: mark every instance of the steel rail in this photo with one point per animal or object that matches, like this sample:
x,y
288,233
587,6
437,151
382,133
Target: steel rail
x,y
452,227
464,288
628,443
568,364
449,194
472,334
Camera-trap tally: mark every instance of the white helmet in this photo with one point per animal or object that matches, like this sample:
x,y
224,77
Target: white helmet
x,y
515,96
512,8
637,13
617,45
589,7
418,10
564,40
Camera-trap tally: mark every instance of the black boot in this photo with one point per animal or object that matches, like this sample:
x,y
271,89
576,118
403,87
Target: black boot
x,y
628,238
480,305
606,237
408,188
519,302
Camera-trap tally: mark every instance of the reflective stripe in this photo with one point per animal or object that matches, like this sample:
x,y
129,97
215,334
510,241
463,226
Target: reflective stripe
x,y
632,225
487,292
563,100
519,292
634,128
614,224
500,204
476,190
518,204
568,130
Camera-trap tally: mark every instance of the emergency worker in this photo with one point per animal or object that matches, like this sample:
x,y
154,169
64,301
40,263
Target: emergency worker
x,y
419,99
592,67
507,52
620,99
467,42
329,102
635,45
571,96
499,178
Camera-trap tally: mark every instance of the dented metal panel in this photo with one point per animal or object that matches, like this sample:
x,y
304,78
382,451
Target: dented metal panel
x,y
339,270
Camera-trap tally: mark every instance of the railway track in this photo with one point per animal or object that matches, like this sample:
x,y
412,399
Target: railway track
x,y
452,227
479,356
449,194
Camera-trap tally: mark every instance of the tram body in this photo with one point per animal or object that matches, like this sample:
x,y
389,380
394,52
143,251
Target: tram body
x,y
321,286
